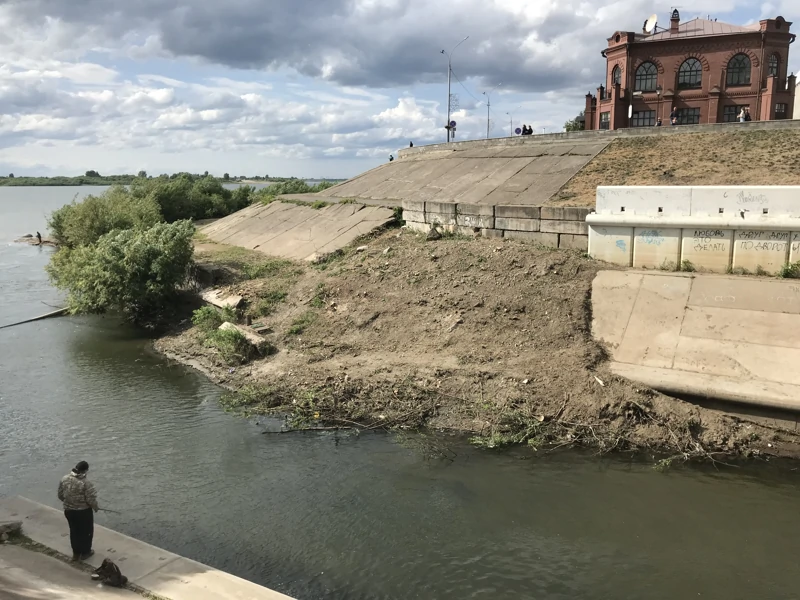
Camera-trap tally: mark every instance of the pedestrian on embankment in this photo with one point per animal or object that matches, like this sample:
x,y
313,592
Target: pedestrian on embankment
x,y
79,497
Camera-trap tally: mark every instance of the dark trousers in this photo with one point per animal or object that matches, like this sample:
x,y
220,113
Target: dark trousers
x,y
81,530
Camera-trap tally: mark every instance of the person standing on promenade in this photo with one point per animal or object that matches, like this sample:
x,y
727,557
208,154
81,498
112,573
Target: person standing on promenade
x,y
80,501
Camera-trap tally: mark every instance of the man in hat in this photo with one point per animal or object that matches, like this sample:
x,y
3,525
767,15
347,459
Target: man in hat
x,y
80,502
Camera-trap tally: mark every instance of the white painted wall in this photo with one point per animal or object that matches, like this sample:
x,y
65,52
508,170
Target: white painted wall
x,y
716,228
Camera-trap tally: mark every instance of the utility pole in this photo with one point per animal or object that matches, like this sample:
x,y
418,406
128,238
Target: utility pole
x,y
488,106
449,71
511,121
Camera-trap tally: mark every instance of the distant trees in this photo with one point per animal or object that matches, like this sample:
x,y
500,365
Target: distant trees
x,y
92,174
576,124
142,174
11,176
226,177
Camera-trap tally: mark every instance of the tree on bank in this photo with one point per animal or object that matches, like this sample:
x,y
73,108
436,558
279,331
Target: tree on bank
x,y
575,124
136,272
226,177
92,174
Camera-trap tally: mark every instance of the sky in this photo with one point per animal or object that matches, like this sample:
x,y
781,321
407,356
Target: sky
x,y
304,88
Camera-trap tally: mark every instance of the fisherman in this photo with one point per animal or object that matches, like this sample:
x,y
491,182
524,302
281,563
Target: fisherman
x,y
391,158
80,500
410,144
39,237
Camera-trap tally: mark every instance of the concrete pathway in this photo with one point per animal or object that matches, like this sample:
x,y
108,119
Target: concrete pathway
x,y
27,575
149,567
729,338
527,172
298,232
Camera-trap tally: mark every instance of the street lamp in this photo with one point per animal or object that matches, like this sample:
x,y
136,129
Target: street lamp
x,y
659,89
449,70
511,121
488,105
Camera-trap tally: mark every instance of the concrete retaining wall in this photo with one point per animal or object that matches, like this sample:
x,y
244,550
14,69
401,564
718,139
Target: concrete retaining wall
x,y
557,227
715,228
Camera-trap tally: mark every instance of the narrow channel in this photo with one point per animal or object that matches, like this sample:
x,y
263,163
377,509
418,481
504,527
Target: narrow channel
x,y
332,516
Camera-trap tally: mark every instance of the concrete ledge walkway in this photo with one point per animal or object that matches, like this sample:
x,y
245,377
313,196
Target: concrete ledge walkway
x,y
29,575
156,570
722,337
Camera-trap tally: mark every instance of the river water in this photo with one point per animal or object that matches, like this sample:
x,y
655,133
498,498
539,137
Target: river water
x,y
334,516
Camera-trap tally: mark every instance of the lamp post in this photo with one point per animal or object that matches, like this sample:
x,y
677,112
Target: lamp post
x,y
659,89
511,121
488,105
449,70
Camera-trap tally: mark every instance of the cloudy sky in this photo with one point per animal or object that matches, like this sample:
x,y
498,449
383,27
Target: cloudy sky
x,y
310,88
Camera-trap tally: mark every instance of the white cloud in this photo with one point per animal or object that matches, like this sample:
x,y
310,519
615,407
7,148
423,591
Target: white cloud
x,y
180,85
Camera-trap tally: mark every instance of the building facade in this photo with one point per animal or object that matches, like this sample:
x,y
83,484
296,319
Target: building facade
x,y
705,70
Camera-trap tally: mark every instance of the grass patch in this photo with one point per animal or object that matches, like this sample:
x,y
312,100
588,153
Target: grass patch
x,y
268,301
790,271
320,294
317,204
687,266
268,268
347,201
303,322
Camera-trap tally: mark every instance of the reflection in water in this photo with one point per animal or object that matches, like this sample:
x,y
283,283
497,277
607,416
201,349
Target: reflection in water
x,y
362,517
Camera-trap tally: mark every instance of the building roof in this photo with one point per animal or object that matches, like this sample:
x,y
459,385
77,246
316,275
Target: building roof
x,y
699,27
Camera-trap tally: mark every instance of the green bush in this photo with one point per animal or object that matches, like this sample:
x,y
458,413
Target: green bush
x,y
138,272
231,344
790,271
83,223
207,318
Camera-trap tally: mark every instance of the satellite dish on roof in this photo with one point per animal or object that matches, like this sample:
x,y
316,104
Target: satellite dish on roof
x,y
650,24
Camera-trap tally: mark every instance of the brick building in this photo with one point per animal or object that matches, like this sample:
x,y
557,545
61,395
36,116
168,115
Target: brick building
x,y
707,70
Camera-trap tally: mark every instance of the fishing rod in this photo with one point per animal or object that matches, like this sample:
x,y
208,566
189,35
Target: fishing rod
x,y
116,512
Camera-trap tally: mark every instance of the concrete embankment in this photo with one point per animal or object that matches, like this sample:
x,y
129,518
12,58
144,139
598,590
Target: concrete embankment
x,y
707,336
487,173
298,232
153,569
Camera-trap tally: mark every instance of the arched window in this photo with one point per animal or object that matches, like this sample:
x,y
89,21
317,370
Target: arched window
x,y
616,76
646,76
774,61
739,70
690,74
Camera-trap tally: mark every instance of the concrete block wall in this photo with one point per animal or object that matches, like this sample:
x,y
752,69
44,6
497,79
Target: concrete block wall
x,y
557,227
715,228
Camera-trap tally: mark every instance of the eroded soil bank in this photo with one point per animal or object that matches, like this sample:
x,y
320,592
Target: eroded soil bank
x,y
483,336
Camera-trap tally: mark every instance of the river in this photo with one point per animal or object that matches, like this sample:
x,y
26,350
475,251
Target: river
x,y
330,516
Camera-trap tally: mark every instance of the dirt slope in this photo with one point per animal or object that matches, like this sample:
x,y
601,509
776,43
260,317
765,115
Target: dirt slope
x,y
734,158
472,335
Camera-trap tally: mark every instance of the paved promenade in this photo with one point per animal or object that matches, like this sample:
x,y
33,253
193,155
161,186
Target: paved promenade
x,y
156,570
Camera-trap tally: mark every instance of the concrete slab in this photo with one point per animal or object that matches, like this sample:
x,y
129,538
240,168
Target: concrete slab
x,y
654,326
765,394
28,575
738,360
710,249
710,336
616,292
611,244
298,232
656,248
779,330
443,174
166,574
762,295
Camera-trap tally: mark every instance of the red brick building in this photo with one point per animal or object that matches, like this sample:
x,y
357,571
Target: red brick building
x,y
707,70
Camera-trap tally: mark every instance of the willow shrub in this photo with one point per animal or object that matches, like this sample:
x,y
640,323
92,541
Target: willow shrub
x,y
135,272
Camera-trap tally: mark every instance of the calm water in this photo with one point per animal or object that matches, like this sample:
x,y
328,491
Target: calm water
x,y
327,516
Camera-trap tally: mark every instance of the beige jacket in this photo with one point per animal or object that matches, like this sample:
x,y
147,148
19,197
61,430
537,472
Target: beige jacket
x,y
77,492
